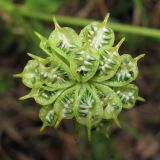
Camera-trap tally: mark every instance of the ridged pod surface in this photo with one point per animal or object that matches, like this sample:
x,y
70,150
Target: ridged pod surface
x,y
82,77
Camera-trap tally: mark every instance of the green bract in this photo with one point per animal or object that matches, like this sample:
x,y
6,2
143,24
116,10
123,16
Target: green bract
x,y
83,77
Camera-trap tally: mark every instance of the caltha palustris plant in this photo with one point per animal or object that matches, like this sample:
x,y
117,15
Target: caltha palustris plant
x,y
82,77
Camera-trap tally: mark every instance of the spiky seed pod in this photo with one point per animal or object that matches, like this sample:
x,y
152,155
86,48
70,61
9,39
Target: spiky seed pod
x,y
98,35
83,77
64,38
84,63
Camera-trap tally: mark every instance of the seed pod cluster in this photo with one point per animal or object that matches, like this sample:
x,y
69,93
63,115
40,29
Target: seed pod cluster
x,y
82,77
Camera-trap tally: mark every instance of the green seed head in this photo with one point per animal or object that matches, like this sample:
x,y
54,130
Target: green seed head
x,y
82,77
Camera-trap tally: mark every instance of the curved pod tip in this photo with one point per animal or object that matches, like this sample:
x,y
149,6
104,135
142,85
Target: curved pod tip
x,y
57,26
136,59
106,18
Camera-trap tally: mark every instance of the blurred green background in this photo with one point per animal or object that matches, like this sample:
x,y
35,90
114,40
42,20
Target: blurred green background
x,y
20,138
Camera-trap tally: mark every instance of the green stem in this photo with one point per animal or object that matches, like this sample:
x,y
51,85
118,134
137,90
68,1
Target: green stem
x,y
124,28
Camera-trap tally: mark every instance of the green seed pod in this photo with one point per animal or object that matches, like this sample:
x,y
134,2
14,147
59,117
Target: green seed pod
x,y
98,35
82,77
84,63
111,103
56,54
128,95
64,38
126,73
45,97
47,116
42,96
54,75
30,76
110,61
88,108
64,105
